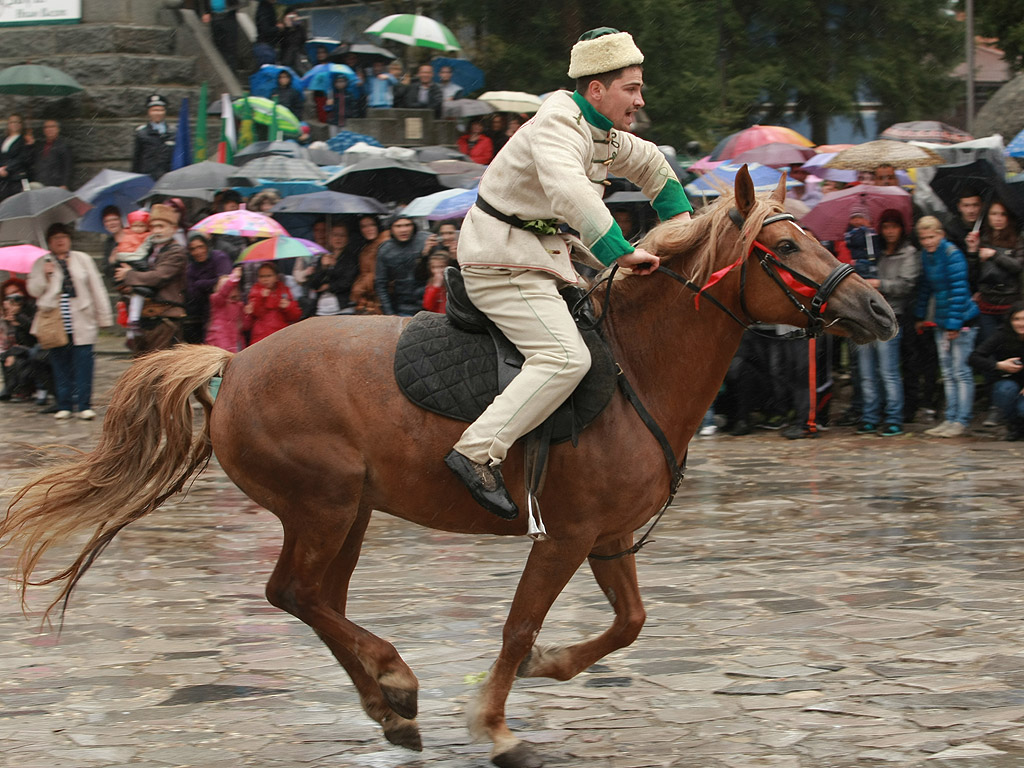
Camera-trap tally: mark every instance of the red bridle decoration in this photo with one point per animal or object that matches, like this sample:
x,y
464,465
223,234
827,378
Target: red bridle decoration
x,y
791,282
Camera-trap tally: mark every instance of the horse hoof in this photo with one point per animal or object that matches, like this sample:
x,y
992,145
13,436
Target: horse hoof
x,y
404,733
401,700
520,756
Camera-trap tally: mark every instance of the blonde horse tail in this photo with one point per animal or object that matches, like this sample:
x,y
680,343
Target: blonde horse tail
x,y
147,452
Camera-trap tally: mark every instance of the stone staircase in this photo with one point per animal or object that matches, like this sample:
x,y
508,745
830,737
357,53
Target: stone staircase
x,y
119,65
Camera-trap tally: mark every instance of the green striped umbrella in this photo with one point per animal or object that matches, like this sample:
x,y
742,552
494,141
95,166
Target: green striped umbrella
x,y
412,29
264,111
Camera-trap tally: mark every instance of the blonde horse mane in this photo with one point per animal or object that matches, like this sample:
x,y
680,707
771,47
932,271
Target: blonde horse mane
x,y
698,242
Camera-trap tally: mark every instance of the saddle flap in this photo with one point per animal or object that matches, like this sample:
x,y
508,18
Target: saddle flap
x,y
459,309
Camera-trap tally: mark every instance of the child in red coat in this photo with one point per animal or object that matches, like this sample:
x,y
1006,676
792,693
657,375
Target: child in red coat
x,y
271,306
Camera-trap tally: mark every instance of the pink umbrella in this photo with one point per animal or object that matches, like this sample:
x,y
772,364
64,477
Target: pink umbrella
x,y
20,258
705,164
241,223
775,154
829,219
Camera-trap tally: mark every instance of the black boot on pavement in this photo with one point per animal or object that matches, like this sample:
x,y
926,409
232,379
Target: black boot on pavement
x,y
485,484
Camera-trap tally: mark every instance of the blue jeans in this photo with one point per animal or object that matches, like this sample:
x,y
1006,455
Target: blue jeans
x,y
879,368
72,376
957,377
1007,398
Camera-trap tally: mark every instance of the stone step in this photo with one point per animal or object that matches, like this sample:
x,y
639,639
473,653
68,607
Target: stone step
x,y
109,69
28,44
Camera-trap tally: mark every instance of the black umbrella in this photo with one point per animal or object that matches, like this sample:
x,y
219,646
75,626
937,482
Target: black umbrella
x,y
324,156
979,177
199,180
279,168
269,148
25,216
461,180
437,152
387,179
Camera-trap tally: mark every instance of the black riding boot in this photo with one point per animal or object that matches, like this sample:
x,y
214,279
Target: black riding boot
x,y
485,484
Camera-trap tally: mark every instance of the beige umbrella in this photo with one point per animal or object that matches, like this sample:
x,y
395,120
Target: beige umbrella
x,y
511,101
868,156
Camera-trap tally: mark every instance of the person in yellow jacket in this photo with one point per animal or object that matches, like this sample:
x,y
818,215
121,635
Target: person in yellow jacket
x,y
515,259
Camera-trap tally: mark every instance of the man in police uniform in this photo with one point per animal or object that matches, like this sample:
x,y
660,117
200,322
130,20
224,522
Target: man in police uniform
x,y
514,259
154,141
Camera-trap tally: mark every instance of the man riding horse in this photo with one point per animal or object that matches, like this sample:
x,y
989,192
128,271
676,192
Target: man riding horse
x,y
514,258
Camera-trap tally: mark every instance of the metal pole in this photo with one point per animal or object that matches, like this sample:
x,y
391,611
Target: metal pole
x,y
970,65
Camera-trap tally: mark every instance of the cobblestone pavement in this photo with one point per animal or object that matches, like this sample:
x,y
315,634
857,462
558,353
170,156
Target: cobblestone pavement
x,y
847,602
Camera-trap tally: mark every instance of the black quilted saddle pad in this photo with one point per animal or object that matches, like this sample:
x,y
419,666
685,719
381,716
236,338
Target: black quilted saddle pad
x,y
455,373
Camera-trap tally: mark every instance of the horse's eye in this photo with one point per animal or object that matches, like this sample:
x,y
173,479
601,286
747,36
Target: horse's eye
x,y
786,247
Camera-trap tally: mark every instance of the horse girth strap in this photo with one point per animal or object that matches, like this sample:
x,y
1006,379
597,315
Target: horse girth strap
x,y
675,469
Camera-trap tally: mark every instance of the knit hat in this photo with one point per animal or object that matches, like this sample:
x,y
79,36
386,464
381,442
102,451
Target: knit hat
x,y
164,213
140,215
860,211
603,50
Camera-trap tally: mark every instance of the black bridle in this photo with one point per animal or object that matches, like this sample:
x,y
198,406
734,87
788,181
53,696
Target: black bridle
x,y
788,279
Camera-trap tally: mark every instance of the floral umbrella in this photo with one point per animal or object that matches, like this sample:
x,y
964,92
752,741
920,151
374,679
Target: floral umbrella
x,y
931,131
240,223
412,29
868,156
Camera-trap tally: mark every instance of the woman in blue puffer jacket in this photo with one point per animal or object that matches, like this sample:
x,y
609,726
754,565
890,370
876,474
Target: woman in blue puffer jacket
x,y
954,318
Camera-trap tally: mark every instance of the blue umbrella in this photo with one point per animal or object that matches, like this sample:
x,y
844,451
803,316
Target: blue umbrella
x,y
320,77
109,187
464,73
448,204
765,179
1016,147
263,81
347,139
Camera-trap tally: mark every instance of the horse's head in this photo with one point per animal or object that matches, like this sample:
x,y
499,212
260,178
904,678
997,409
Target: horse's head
x,y
777,271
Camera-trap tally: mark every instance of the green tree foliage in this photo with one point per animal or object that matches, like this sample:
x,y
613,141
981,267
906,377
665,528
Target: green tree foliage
x,y
716,66
1003,20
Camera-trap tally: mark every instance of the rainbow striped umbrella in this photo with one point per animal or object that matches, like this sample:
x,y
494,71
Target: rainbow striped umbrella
x,y
240,223
281,247
412,29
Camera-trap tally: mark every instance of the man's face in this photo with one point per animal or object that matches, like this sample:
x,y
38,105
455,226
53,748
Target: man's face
x,y
112,223
51,130
156,114
445,74
230,205
621,100
885,176
13,125
59,243
402,230
161,230
425,74
969,208
320,233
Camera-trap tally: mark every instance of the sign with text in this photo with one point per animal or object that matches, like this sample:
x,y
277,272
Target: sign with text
x,y
40,12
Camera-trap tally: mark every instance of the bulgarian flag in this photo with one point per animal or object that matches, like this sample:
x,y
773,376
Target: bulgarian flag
x,y
228,139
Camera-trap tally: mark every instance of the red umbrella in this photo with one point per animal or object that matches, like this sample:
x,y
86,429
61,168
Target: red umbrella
x,y
776,155
756,136
829,219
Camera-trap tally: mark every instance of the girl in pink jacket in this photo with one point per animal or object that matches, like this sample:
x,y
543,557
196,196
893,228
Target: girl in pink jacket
x,y
225,326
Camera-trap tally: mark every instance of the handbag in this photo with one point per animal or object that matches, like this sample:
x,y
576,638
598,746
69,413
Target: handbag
x,y
50,330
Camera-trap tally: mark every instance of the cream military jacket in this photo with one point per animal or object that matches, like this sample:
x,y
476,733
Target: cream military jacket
x,y
554,167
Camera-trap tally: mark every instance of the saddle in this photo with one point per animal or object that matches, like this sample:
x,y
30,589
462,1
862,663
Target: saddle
x,y
455,364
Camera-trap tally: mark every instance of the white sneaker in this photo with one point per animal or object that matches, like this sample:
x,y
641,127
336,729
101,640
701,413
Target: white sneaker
x,y
940,430
61,415
707,431
87,415
955,429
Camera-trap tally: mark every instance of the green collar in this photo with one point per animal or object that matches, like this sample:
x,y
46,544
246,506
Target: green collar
x,y
590,114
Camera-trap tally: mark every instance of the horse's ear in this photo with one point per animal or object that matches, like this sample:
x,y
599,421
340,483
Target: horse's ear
x,y
744,191
779,195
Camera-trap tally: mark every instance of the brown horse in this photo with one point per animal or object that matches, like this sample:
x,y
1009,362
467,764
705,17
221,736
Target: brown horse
x,y
311,425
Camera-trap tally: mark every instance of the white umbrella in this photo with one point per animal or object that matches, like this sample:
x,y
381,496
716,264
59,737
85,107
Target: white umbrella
x,y
412,29
512,101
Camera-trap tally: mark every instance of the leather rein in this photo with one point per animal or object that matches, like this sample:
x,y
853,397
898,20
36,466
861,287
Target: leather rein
x,y
788,279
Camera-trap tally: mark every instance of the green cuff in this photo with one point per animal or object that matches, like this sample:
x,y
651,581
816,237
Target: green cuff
x,y
611,245
671,201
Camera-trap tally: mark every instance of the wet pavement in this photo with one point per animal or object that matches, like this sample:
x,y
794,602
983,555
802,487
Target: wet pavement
x,y
848,601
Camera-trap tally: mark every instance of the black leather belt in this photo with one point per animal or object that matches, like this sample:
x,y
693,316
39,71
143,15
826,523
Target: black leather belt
x,y
490,210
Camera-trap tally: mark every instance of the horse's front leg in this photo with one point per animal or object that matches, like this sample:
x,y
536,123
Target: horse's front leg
x,y
617,579
548,569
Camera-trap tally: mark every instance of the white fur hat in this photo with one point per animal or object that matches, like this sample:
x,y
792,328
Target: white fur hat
x,y
603,50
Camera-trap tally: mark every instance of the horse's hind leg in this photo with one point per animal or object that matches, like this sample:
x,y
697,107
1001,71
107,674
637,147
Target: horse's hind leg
x,y
310,581
550,566
617,579
401,731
